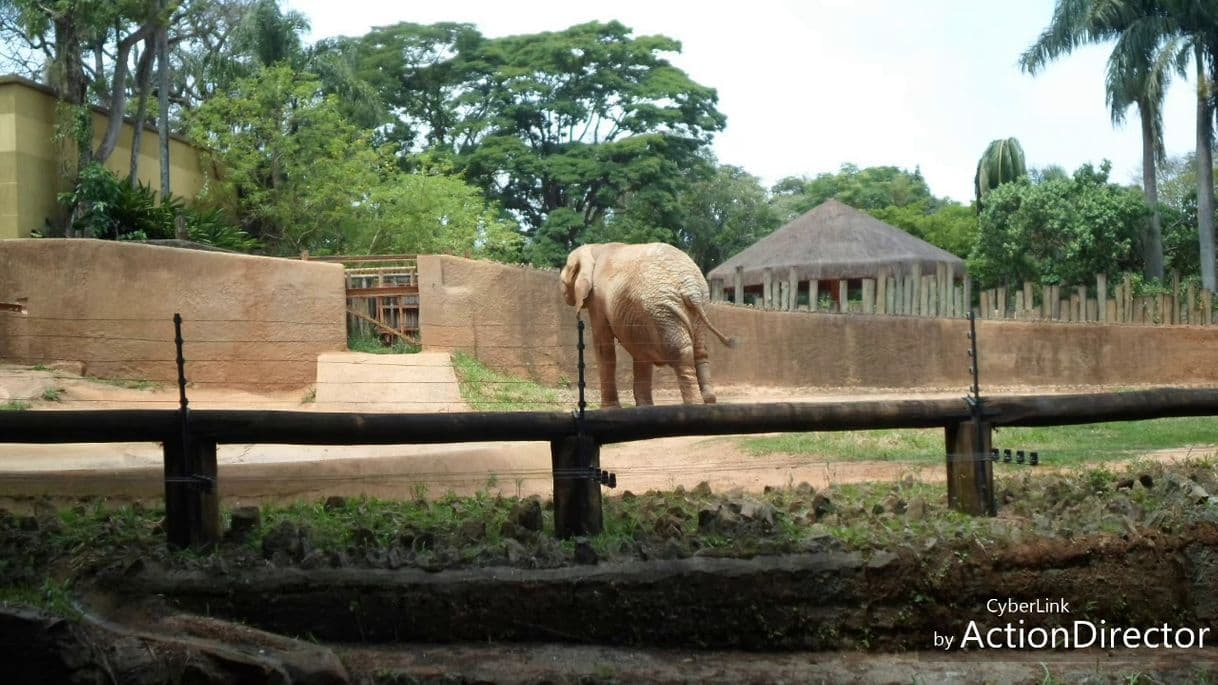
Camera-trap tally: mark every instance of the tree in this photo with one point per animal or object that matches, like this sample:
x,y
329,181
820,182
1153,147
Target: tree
x,y
559,128
1058,231
1139,70
302,177
722,214
950,226
1002,162
865,189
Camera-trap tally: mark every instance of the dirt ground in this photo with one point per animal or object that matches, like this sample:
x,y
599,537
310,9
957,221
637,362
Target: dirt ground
x,y
261,473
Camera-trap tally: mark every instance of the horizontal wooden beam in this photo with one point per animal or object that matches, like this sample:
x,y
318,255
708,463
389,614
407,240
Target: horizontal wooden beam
x,y
383,291
607,426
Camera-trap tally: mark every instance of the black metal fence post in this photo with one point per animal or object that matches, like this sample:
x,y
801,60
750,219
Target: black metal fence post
x,y
970,475
575,461
192,506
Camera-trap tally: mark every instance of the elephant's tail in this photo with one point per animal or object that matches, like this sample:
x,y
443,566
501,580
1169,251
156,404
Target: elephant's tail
x,y
698,309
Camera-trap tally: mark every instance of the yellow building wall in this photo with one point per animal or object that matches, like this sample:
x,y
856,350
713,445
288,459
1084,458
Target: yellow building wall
x,y
30,173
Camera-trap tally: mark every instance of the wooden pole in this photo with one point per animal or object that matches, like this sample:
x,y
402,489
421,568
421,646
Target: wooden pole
x,y
792,290
843,296
577,496
868,295
767,288
1101,297
968,294
813,294
739,294
970,476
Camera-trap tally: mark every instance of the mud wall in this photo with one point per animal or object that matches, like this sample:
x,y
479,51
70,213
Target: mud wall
x,y
248,322
514,319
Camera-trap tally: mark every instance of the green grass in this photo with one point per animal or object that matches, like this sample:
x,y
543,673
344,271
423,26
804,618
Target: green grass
x,y
1058,445
52,394
126,383
14,405
487,390
373,345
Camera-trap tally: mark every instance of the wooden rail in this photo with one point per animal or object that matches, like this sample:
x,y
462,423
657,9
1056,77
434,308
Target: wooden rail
x,y
575,446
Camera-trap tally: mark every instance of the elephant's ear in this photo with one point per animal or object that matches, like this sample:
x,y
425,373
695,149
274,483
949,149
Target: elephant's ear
x,y
585,265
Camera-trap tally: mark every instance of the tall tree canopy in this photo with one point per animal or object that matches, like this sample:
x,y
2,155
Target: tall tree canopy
x,y
866,189
559,128
1062,230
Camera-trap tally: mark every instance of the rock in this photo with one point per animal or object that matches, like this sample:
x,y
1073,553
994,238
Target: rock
x,y
584,554
669,526
397,558
917,510
335,502
1124,484
674,549
284,540
822,506
245,521
417,540
894,504
805,488
702,489
761,512
473,530
313,560
527,515
363,537
717,519
1198,494
768,489
72,367
1146,480
514,550
877,508
627,496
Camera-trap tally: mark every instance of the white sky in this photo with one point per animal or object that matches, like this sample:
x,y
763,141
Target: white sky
x,y
808,85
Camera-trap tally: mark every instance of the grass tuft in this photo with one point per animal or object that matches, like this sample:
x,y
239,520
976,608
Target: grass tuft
x,y
371,344
487,390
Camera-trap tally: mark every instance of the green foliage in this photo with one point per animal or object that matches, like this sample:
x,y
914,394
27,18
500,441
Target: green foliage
x,y
1058,445
950,226
303,177
1058,231
723,214
14,405
373,345
867,189
586,129
1002,162
110,208
487,390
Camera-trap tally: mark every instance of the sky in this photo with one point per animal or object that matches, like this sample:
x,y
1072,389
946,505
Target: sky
x,y
810,85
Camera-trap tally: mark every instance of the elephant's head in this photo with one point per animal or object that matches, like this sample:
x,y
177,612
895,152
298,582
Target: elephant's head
x,y
576,276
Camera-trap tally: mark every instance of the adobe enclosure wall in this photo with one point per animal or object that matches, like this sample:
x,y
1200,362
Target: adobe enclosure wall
x,y
249,322
514,320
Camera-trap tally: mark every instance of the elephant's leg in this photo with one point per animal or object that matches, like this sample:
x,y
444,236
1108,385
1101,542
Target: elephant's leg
x,y
686,377
606,366
642,383
702,365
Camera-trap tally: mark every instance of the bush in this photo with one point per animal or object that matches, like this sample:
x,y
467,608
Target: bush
x,y
104,206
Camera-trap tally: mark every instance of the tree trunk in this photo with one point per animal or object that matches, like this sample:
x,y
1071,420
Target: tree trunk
x,y
143,81
1152,242
1205,171
118,93
75,122
162,59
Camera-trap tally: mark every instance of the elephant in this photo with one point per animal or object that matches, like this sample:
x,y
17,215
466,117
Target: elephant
x,y
651,298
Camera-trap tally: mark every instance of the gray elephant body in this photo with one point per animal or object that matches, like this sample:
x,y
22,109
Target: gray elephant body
x,y
652,299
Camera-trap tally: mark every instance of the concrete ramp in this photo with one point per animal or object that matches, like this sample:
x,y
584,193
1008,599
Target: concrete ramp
x,y
360,382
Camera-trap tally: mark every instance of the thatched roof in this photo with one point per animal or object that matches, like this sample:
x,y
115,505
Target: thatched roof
x,y
836,241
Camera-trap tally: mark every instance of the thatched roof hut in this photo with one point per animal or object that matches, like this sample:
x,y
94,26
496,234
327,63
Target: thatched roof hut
x,y
834,241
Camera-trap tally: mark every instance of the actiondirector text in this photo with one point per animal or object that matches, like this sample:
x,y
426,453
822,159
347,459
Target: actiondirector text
x,y
1078,634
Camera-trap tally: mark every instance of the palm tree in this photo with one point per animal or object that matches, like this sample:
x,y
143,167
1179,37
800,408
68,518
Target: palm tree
x,y
1002,162
1139,69
1152,38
